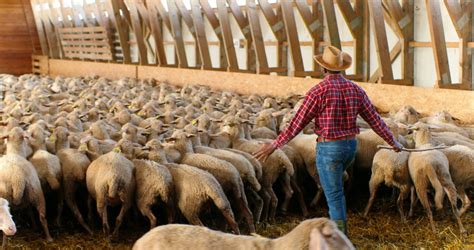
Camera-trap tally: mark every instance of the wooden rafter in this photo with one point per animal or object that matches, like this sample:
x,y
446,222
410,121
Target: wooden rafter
x,y
394,53
244,26
381,42
227,36
156,31
214,21
40,28
122,29
177,34
201,38
188,20
439,43
257,37
331,22
292,35
51,35
137,30
314,23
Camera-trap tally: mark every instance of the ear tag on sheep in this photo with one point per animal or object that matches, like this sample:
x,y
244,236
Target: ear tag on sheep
x,y
194,122
52,138
117,150
83,147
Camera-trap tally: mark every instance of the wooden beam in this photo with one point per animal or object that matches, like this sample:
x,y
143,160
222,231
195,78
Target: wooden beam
x,y
257,38
394,53
362,40
149,16
163,13
188,20
314,23
439,44
177,34
331,23
66,9
275,23
39,27
408,54
214,21
232,64
201,38
381,42
122,30
292,35
138,31
354,21
51,35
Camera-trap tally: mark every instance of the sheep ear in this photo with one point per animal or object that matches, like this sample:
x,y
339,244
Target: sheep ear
x,y
432,127
3,136
317,241
190,135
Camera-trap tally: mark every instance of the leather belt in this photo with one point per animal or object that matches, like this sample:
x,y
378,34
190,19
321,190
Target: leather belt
x,y
347,137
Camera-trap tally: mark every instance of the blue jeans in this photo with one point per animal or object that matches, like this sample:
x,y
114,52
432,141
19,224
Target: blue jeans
x,y
332,159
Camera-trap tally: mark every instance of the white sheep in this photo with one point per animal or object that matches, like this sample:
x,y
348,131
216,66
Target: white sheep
x,y
461,167
110,181
182,237
7,225
431,167
153,180
19,182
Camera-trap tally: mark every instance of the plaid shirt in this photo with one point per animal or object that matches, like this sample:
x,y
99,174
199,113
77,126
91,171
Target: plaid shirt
x,y
334,105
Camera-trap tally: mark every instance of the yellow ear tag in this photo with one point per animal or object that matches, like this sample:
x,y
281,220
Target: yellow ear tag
x,y
83,147
117,150
52,138
194,122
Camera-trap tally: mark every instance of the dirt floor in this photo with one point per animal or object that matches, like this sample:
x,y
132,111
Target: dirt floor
x,y
381,230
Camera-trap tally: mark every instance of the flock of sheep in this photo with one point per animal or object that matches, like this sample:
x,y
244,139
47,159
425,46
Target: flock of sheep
x,y
132,143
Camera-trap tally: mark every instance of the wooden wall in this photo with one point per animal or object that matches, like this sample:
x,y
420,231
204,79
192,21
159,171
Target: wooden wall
x,y
18,37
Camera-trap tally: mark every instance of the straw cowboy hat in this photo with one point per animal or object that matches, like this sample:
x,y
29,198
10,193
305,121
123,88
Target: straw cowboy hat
x,y
334,59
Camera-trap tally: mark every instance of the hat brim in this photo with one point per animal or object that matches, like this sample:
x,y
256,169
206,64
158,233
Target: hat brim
x,y
345,64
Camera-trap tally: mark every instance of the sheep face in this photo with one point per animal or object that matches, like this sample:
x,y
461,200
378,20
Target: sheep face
x,y
7,225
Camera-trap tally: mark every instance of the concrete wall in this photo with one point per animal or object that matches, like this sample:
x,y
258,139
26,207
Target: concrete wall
x,y
425,73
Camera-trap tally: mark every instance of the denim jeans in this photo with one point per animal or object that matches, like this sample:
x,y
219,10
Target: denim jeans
x,y
332,158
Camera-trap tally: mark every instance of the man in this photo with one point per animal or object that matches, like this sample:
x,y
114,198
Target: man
x,y
333,104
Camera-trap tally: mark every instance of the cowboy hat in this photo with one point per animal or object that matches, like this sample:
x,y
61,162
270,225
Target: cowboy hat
x,y
334,59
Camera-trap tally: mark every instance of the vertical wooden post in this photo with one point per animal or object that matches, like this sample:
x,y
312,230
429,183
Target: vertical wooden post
x,y
122,30
381,42
227,35
245,28
292,35
211,16
438,43
177,34
138,31
201,38
257,38
331,22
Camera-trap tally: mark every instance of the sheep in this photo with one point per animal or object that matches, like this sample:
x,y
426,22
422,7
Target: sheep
x,y
392,168
153,180
444,123
110,181
433,167
46,164
19,182
74,165
194,237
461,167
275,166
7,225
451,139
191,196
225,172
406,115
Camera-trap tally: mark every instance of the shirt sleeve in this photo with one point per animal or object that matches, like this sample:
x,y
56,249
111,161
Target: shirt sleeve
x,y
370,115
306,112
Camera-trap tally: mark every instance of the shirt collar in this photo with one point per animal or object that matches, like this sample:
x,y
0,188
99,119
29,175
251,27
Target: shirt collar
x,y
332,76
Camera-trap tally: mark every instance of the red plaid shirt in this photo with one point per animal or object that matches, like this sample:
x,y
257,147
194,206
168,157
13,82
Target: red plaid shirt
x,y
334,105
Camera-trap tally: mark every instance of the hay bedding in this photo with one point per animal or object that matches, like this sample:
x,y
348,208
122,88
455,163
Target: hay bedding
x,y
381,230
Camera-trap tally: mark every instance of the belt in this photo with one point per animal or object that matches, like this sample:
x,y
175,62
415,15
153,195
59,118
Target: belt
x,y
347,137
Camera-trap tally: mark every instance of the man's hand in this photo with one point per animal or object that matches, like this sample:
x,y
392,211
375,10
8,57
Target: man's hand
x,y
398,147
265,151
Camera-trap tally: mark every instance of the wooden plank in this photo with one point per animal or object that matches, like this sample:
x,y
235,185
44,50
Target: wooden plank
x,y
439,43
354,21
121,29
331,22
177,34
39,27
408,54
232,64
314,24
163,13
275,23
292,35
138,31
257,38
244,26
53,41
188,20
394,53
381,42
201,35
457,15
156,31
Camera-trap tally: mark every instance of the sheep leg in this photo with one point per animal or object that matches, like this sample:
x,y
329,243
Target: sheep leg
x,y
41,208
146,211
439,195
102,210
288,191
70,191
413,200
423,196
170,208
192,218
404,192
466,202
229,217
119,219
258,202
4,241
244,208
299,197
374,184
274,204
319,193
266,202
60,207
452,196
31,214
90,209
